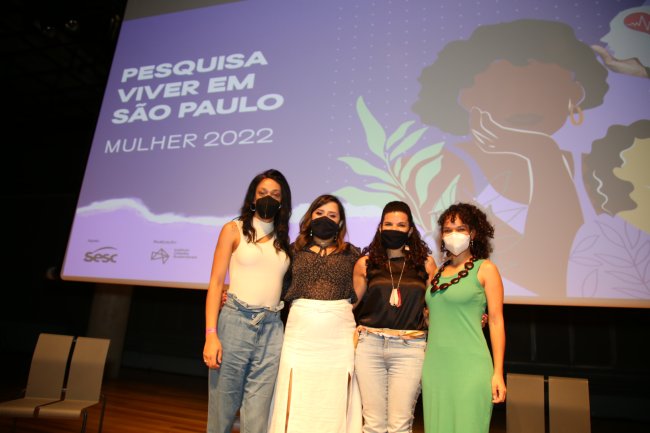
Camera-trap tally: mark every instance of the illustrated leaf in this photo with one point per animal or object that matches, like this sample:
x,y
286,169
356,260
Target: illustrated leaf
x,y
434,219
585,244
632,235
642,253
398,134
448,196
385,187
611,234
375,135
590,284
421,155
397,167
626,278
424,176
364,168
614,260
407,143
360,197
631,292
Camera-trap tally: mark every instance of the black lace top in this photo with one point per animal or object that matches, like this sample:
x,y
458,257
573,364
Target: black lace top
x,y
325,278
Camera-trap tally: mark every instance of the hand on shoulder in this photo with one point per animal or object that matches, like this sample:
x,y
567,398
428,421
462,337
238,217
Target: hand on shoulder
x,y
360,265
430,266
354,249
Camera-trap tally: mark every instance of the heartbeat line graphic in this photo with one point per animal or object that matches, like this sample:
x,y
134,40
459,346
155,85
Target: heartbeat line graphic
x,y
639,21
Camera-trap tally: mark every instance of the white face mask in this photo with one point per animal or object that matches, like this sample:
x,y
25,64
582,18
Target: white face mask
x,y
456,242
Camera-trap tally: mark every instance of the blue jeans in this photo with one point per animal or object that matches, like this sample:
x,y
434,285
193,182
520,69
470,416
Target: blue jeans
x,y
251,338
388,371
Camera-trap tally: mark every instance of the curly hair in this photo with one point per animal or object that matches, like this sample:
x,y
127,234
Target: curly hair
x,y
415,255
607,192
476,220
304,236
281,219
517,42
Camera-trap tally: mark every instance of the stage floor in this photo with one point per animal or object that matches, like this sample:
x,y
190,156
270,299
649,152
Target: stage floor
x,y
145,401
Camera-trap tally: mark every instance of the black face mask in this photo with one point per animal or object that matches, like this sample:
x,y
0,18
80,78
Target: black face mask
x,y
324,228
266,207
393,239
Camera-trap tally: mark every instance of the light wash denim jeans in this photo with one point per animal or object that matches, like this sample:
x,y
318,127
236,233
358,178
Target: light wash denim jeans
x,y
251,338
388,370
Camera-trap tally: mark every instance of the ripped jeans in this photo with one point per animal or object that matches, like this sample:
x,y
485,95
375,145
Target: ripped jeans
x,y
251,338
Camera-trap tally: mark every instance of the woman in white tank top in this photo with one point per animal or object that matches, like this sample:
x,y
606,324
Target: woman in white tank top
x,y
243,341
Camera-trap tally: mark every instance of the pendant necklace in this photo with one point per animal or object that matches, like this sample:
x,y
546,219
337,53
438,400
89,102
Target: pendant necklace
x,y
395,294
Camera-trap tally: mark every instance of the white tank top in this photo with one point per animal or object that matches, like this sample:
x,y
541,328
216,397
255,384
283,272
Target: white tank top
x,y
256,271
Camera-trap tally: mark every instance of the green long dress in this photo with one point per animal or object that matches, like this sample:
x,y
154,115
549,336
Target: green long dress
x,y
457,373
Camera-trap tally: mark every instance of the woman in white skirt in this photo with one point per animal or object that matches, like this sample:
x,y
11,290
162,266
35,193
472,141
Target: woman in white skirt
x,y
316,390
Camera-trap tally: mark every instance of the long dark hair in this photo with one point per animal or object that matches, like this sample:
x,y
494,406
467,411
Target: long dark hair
x,y
281,219
415,255
475,218
305,238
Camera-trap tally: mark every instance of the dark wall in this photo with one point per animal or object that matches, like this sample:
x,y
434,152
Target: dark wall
x,y
605,345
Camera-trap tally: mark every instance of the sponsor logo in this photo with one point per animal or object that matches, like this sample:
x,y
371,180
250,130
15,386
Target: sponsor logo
x,y
183,253
161,255
101,255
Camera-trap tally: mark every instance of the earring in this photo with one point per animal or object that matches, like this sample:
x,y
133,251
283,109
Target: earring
x,y
252,207
311,234
573,110
471,243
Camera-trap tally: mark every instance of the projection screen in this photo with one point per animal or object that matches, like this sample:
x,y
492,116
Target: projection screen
x,y
536,111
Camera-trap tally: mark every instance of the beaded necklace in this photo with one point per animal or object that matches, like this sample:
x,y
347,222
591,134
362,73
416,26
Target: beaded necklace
x,y
469,265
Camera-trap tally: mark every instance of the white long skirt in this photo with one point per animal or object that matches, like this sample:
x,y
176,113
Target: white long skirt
x,y
316,390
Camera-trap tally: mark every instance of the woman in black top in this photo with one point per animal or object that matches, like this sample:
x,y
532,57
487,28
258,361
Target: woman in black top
x,y
391,279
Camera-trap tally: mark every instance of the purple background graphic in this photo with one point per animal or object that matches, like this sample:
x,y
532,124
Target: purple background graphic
x,y
322,56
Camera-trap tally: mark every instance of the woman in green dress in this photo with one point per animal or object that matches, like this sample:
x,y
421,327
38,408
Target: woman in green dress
x,y
461,380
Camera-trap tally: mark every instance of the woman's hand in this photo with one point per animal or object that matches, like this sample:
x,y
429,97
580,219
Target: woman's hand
x,y
226,245
492,137
224,298
359,279
498,389
426,316
212,351
630,66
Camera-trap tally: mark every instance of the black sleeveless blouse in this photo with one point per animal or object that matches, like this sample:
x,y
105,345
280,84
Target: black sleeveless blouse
x,y
375,310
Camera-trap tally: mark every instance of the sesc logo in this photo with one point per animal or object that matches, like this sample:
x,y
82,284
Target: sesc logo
x,y
101,255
